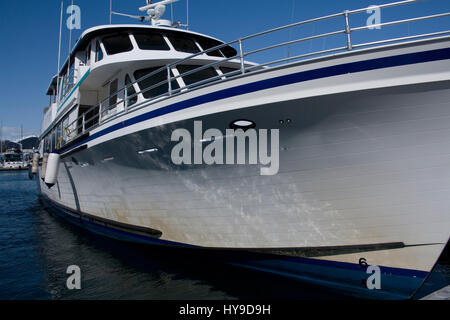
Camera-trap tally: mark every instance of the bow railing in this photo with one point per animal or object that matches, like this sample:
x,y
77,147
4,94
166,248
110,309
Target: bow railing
x,y
130,97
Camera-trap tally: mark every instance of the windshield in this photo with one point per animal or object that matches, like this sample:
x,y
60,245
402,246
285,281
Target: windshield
x,y
12,157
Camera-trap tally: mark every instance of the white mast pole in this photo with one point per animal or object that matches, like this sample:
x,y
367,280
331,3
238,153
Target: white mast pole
x,y
187,14
59,51
70,48
110,11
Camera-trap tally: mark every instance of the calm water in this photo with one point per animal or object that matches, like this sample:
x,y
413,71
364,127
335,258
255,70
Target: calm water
x,y
36,248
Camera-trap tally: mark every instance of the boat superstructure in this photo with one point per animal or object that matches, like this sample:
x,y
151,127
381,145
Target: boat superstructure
x,y
13,159
363,132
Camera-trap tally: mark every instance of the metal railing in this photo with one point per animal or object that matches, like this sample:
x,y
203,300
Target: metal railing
x,y
240,64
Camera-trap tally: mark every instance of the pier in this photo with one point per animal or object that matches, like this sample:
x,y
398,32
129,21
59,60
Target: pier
x,y
14,169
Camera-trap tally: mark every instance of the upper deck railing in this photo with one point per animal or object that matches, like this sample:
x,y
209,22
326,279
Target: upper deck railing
x,y
105,112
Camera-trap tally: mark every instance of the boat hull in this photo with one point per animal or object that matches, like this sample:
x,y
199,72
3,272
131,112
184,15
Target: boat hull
x,y
363,174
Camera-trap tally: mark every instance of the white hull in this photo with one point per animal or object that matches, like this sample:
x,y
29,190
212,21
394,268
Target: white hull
x,y
365,161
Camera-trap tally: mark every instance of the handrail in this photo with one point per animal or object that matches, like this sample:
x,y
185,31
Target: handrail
x,y
242,67
402,21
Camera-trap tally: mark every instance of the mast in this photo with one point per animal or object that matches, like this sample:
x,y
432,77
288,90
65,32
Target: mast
x,y
59,53
187,14
21,137
1,136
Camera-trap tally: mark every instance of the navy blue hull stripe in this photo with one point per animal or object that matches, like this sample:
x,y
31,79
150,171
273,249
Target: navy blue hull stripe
x,y
354,67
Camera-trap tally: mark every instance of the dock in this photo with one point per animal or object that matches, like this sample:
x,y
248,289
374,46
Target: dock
x,y
13,169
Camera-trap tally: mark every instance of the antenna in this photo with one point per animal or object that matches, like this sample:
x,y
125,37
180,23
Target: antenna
x,y
187,14
156,10
151,5
141,18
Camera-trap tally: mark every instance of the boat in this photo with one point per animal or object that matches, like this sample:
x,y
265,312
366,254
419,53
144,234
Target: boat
x,y
13,159
353,195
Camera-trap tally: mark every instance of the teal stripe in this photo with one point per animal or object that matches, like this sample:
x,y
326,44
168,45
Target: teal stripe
x,y
75,88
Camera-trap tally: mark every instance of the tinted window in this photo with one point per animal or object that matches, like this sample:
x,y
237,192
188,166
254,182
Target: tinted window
x,y
153,80
58,135
88,55
98,52
117,44
206,44
65,130
228,51
12,157
113,86
183,43
151,41
226,70
130,91
196,76
90,118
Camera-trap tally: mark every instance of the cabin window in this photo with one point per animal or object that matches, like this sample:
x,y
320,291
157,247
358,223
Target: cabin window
x,y
226,70
53,142
228,51
98,52
158,78
59,136
113,87
130,92
71,76
65,128
88,55
183,43
151,41
195,77
118,43
68,79
90,118
46,148
206,44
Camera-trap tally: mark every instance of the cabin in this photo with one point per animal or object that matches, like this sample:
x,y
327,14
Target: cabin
x,y
116,67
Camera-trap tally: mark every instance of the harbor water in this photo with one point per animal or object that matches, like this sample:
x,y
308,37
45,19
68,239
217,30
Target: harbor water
x,y
36,248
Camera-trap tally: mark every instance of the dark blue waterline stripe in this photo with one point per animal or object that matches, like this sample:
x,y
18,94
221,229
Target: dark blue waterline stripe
x,y
352,266
360,291
109,230
105,230
353,67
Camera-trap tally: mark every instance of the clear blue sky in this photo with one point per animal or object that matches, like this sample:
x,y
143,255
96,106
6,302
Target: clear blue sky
x,y
29,33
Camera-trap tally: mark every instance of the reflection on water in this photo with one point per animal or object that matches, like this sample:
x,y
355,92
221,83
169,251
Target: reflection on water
x,y
36,248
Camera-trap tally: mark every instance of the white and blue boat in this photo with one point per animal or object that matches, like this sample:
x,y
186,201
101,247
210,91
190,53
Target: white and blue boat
x,y
364,140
